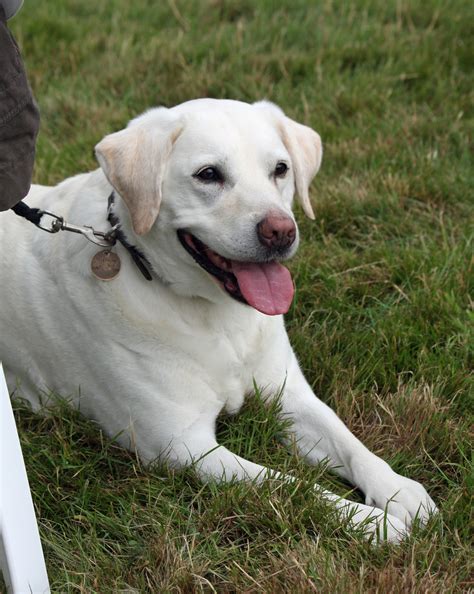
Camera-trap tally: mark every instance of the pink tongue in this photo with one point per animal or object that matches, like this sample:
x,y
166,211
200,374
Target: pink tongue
x,y
266,287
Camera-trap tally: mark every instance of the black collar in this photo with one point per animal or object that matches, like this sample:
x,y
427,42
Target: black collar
x,y
142,262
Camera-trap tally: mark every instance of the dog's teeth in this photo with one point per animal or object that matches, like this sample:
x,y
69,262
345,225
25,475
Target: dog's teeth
x,y
224,264
218,260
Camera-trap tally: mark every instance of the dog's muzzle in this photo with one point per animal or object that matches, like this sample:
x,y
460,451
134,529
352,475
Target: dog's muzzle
x,y
265,286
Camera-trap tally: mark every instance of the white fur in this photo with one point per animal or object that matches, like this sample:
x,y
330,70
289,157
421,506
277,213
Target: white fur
x,y
156,362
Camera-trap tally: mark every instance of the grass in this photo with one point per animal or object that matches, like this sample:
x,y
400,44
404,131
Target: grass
x,y
382,320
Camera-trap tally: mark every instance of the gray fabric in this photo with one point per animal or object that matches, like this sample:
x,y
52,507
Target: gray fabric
x,y
19,122
11,7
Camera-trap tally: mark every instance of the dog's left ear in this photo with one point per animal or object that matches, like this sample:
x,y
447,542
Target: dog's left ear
x,y
134,160
305,148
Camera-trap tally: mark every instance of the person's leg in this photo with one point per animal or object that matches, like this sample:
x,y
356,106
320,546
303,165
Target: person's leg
x,y
19,122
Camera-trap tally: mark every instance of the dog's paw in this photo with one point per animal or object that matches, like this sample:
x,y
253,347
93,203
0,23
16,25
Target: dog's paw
x,y
401,497
375,524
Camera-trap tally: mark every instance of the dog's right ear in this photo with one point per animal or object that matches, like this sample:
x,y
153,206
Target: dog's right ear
x,y
134,160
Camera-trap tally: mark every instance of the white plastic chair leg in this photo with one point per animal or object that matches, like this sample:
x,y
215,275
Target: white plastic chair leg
x,y
21,556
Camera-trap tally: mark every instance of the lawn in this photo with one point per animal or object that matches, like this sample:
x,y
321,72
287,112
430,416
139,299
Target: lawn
x,y
381,322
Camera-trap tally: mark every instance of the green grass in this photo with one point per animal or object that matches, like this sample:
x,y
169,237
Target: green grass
x,y
383,312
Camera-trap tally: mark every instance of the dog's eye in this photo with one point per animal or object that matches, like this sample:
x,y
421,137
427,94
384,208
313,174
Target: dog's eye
x,y
281,169
209,175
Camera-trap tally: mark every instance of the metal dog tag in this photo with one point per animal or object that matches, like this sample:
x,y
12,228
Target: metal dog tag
x,y
105,265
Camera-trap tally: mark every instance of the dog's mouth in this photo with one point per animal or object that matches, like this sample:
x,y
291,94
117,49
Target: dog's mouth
x,y
265,286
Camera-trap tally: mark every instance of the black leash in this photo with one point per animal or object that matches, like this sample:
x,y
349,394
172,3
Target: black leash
x,y
30,214
104,239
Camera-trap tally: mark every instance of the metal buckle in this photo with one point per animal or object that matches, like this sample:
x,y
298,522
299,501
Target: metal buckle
x,y
56,224
104,239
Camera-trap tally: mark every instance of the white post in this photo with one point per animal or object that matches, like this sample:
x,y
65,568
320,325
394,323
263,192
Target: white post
x,y
21,555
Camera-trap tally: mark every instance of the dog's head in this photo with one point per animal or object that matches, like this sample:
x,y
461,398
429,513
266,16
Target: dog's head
x,y
221,175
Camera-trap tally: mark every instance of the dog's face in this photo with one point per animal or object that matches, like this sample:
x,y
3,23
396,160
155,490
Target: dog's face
x,y
222,175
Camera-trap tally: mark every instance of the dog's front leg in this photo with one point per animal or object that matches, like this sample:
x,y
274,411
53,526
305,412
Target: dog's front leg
x,y
321,435
185,436
214,462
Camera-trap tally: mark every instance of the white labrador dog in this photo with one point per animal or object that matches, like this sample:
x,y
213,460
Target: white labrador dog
x,y
204,190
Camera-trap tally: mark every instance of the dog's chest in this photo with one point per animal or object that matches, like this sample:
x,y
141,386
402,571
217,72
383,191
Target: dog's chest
x,y
228,356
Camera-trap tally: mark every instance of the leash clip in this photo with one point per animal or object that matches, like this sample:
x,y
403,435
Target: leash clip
x,y
104,239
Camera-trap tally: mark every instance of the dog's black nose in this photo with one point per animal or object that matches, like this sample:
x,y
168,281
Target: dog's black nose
x,y
276,230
